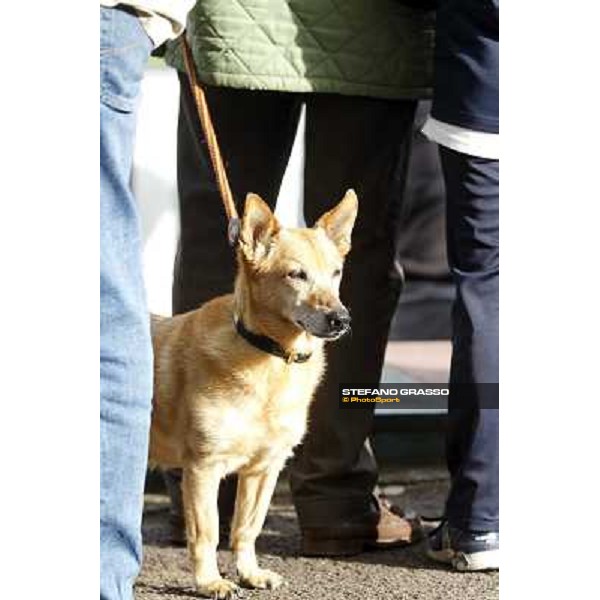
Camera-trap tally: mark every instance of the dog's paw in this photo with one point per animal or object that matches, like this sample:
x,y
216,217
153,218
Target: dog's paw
x,y
219,589
261,579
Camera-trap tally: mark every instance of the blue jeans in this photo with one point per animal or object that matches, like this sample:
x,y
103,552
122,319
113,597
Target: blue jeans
x,y
472,193
125,346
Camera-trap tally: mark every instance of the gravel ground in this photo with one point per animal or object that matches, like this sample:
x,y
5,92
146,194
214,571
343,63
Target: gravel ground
x,y
401,574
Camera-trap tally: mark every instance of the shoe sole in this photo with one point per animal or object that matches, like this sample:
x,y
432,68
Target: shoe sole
x,y
489,560
479,561
332,547
336,547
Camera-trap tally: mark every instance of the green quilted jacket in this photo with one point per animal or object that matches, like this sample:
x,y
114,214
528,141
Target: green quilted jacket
x,y
378,48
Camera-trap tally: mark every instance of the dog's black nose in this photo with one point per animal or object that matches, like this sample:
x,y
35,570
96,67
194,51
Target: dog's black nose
x,y
338,320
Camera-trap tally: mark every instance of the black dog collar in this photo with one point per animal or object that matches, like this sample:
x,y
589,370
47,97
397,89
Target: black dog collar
x,y
269,345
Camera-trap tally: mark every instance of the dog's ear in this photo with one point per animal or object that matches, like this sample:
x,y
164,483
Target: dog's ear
x,y
339,221
259,226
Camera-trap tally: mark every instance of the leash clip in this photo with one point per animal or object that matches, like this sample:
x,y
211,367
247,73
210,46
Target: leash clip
x,y
233,231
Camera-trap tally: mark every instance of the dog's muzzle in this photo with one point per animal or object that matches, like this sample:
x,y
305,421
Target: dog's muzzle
x,y
329,325
338,322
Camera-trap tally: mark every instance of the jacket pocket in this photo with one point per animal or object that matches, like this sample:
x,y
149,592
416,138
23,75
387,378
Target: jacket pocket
x,y
124,51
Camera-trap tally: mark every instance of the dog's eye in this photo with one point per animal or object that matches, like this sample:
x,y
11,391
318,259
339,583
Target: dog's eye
x,y
299,274
337,273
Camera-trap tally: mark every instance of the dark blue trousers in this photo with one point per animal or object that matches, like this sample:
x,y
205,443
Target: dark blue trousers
x,y
473,252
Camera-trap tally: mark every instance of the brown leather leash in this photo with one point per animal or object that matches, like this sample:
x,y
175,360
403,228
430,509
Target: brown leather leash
x,y
233,227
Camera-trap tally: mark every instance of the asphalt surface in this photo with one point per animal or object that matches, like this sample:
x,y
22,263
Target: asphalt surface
x,y
401,574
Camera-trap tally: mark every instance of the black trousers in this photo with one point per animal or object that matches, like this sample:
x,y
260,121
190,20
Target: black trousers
x,y
362,143
472,191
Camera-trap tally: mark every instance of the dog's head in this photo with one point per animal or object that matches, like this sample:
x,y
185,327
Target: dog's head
x,y
295,274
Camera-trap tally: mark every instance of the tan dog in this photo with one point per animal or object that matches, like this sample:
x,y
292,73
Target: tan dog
x,y
234,380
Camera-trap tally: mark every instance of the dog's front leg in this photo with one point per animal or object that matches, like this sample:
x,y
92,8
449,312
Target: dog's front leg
x,y
200,487
251,504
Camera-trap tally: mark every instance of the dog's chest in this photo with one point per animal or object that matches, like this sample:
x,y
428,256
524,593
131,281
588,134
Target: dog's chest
x,y
265,426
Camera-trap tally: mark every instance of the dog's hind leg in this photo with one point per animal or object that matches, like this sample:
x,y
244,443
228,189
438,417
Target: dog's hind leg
x,y
251,505
200,486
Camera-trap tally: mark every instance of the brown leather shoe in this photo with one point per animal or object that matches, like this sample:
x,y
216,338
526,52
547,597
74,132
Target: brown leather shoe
x,y
385,528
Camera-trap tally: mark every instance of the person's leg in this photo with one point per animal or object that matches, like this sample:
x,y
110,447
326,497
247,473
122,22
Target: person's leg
x,y
361,143
472,190
125,347
472,186
256,132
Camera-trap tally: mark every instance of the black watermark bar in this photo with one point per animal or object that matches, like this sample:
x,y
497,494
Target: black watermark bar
x,y
418,396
